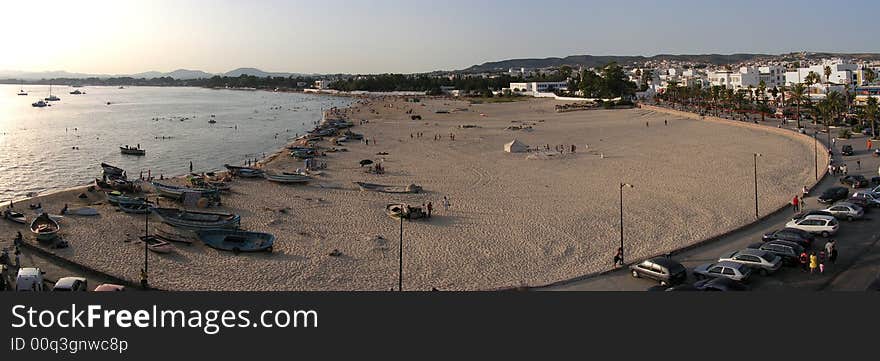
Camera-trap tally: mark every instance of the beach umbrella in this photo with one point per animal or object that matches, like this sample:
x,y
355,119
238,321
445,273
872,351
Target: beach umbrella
x,y
366,162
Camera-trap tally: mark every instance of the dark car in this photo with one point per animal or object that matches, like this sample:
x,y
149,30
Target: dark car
x,y
855,181
802,238
846,150
866,204
834,194
662,269
789,251
720,284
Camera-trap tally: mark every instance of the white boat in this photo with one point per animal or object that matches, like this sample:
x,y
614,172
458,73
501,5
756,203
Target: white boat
x,y
287,178
21,90
45,228
14,216
51,98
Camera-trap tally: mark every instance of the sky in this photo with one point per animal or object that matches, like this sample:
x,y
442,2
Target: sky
x,y
331,36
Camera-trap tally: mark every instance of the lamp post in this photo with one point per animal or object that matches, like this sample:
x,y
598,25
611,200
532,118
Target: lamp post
x,y
816,152
400,258
146,253
622,185
756,184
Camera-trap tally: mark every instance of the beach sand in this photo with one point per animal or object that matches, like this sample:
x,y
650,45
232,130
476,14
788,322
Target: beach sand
x,y
513,221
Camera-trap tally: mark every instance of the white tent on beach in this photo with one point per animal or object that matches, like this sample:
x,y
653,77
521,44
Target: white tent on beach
x,y
516,147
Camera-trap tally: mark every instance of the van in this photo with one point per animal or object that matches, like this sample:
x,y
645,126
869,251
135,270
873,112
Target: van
x,y
29,279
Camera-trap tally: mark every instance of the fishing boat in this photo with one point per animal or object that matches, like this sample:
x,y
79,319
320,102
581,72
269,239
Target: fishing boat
x,y
39,104
51,98
399,210
44,227
21,90
246,172
173,236
111,170
412,188
197,220
116,197
136,207
176,192
288,178
118,185
14,216
157,244
353,135
237,241
132,150
212,121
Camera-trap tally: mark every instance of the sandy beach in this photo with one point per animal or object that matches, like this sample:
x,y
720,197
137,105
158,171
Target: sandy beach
x,y
516,219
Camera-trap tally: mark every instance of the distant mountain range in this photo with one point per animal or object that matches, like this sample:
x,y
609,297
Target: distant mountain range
x,y
184,74
600,60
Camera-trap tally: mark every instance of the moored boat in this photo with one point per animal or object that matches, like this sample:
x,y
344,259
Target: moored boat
x,y
237,241
132,151
44,227
197,220
39,104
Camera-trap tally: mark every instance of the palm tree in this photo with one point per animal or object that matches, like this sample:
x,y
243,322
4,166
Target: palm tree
x,y
870,75
762,95
871,112
824,109
797,96
827,74
835,104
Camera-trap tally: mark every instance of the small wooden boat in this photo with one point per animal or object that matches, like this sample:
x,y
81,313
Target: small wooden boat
x,y
116,197
117,184
137,207
176,192
14,216
45,228
352,135
111,170
132,151
197,220
288,178
246,172
399,210
173,236
412,188
237,241
302,154
157,244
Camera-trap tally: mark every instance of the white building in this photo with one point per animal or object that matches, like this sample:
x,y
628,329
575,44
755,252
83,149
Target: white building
x,y
842,72
521,72
736,79
322,84
538,87
772,75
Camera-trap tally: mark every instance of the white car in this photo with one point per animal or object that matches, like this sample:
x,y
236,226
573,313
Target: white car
x,y
763,261
822,225
71,284
845,210
29,279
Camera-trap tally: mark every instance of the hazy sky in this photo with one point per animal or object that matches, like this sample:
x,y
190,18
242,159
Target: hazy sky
x,y
321,36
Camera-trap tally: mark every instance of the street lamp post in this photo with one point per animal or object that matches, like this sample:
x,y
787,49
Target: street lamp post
x,y
756,184
400,259
146,253
816,152
622,185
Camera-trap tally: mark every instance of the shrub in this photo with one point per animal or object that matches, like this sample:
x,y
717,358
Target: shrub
x,y
843,133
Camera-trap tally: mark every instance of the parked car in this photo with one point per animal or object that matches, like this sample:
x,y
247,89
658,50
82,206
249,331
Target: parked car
x,y
855,180
811,212
665,270
726,269
871,199
833,194
109,287
720,284
822,225
846,210
846,149
763,261
803,238
71,284
789,251
861,202
29,279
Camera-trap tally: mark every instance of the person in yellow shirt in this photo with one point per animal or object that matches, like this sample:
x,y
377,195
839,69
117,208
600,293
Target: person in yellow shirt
x,y
814,262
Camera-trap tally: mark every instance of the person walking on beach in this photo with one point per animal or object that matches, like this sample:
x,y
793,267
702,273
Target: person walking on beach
x,y
665,122
445,204
794,204
858,164
190,166
430,208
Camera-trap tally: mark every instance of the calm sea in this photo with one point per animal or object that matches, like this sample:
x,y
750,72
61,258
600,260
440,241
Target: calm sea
x,y
62,146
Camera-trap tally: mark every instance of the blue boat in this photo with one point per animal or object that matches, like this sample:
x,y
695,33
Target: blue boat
x,y
237,241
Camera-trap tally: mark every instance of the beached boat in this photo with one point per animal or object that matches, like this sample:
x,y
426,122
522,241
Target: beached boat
x,y
197,220
173,236
302,154
118,185
111,170
132,151
116,197
157,244
399,210
137,207
14,216
288,178
412,188
246,172
44,227
354,136
176,192
237,241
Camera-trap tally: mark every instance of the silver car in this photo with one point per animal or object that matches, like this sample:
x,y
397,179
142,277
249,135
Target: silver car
x,y
765,262
845,210
726,269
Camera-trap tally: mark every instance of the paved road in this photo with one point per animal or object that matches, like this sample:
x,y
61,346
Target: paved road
x,y
857,266
53,269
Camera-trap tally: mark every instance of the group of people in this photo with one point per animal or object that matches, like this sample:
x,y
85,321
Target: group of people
x,y
835,169
440,137
816,261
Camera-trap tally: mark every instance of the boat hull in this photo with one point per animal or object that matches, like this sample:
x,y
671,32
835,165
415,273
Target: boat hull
x,y
237,241
197,220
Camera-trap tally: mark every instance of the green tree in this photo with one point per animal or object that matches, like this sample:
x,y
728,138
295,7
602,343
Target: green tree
x,y
870,76
798,94
871,112
827,74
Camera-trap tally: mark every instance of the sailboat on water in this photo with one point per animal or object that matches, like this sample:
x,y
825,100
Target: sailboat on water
x,y
52,98
21,89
